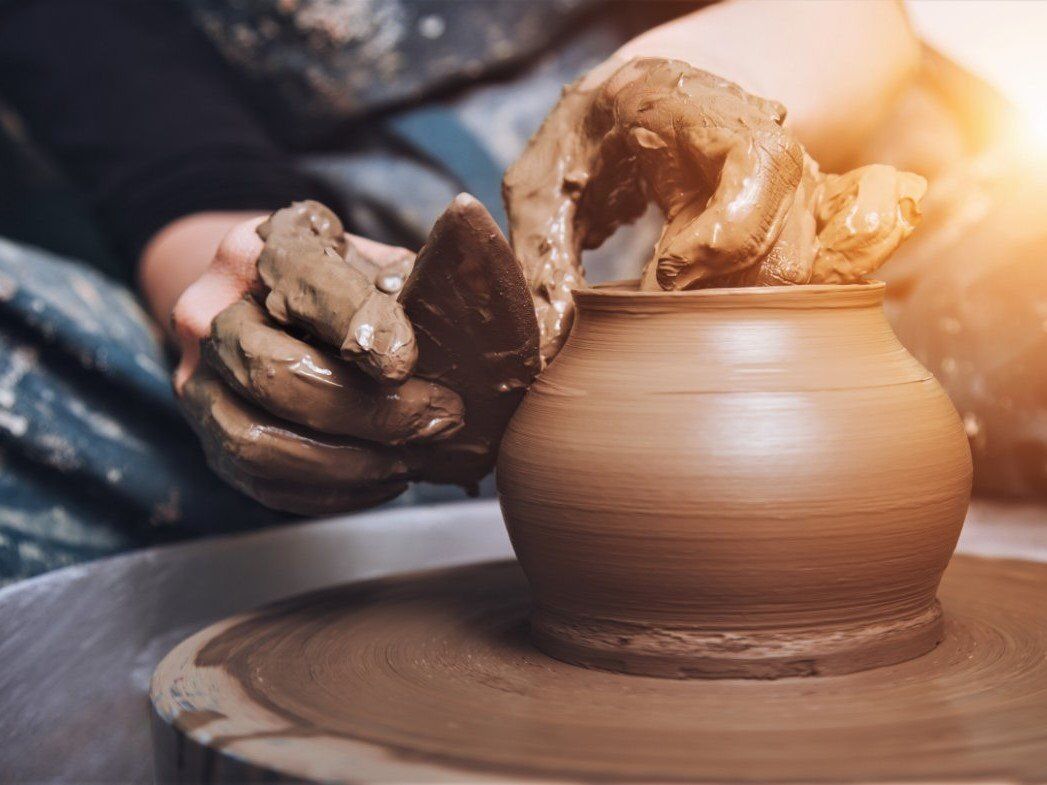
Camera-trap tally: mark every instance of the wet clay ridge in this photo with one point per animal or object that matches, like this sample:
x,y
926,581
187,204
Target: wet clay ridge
x,y
744,203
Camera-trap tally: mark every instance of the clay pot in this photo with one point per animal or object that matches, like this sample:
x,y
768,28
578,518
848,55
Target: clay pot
x,y
755,482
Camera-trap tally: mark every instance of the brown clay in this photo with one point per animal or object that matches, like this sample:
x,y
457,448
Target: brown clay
x,y
432,679
308,385
284,468
293,392
753,482
744,203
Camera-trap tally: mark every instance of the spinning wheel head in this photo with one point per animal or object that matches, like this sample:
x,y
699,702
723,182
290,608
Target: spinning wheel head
x,y
432,678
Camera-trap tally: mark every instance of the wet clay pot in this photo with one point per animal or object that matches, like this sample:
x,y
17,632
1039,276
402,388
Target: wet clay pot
x,y
755,482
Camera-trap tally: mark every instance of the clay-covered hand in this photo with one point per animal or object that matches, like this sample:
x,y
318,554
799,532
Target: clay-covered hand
x,y
708,153
303,396
743,202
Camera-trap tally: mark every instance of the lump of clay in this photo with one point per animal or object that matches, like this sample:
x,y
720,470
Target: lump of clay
x,y
476,332
744,204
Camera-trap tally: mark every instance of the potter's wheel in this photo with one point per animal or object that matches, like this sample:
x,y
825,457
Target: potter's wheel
x,y
432,677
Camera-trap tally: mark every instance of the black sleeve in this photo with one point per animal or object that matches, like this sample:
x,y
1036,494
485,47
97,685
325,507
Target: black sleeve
x,y
131,101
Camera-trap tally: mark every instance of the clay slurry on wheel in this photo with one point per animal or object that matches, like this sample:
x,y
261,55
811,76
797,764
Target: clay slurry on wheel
x,y
476,331
430,677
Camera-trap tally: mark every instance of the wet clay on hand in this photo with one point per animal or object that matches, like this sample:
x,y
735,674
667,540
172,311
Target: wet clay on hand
x,y
301,472
293,388
744,203
476,332
310,386
311,286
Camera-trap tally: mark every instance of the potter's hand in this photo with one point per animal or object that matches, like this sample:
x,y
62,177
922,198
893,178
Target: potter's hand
x,y
303,396
846,62
714,158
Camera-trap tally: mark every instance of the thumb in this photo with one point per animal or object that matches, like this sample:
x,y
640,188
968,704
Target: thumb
x,y
232,275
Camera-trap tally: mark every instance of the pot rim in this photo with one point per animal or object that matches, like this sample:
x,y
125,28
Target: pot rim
x,y
613,295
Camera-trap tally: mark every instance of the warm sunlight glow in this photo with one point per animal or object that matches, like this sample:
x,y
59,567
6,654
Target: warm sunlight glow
x,y
1003,42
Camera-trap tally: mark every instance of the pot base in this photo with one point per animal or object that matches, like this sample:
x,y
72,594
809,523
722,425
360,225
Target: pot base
x,y
690,653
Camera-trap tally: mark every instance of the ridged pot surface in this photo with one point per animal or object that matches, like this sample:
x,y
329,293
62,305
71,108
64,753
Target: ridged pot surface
x,y
735,482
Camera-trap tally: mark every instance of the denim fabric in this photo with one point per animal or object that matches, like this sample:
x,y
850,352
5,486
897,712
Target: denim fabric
x,y
94,455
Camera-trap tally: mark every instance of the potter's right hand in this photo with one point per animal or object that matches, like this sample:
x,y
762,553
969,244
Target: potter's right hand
x,y
846,61
302,395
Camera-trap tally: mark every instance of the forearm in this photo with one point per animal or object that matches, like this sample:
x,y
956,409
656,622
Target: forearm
x,y
837,66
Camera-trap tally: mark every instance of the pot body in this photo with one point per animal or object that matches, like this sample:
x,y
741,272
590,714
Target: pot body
x,y
750,482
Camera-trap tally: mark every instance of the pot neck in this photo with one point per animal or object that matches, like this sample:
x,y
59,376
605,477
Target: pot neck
x,y
766,339
622,297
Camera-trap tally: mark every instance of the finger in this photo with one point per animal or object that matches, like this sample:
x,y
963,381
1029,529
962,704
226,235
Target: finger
x,y
307,218
386,265
737,226
312,286
863,216
377,253
242,440
305,385
232,274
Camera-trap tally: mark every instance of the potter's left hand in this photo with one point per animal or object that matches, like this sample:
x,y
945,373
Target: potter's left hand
x,y
304,397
